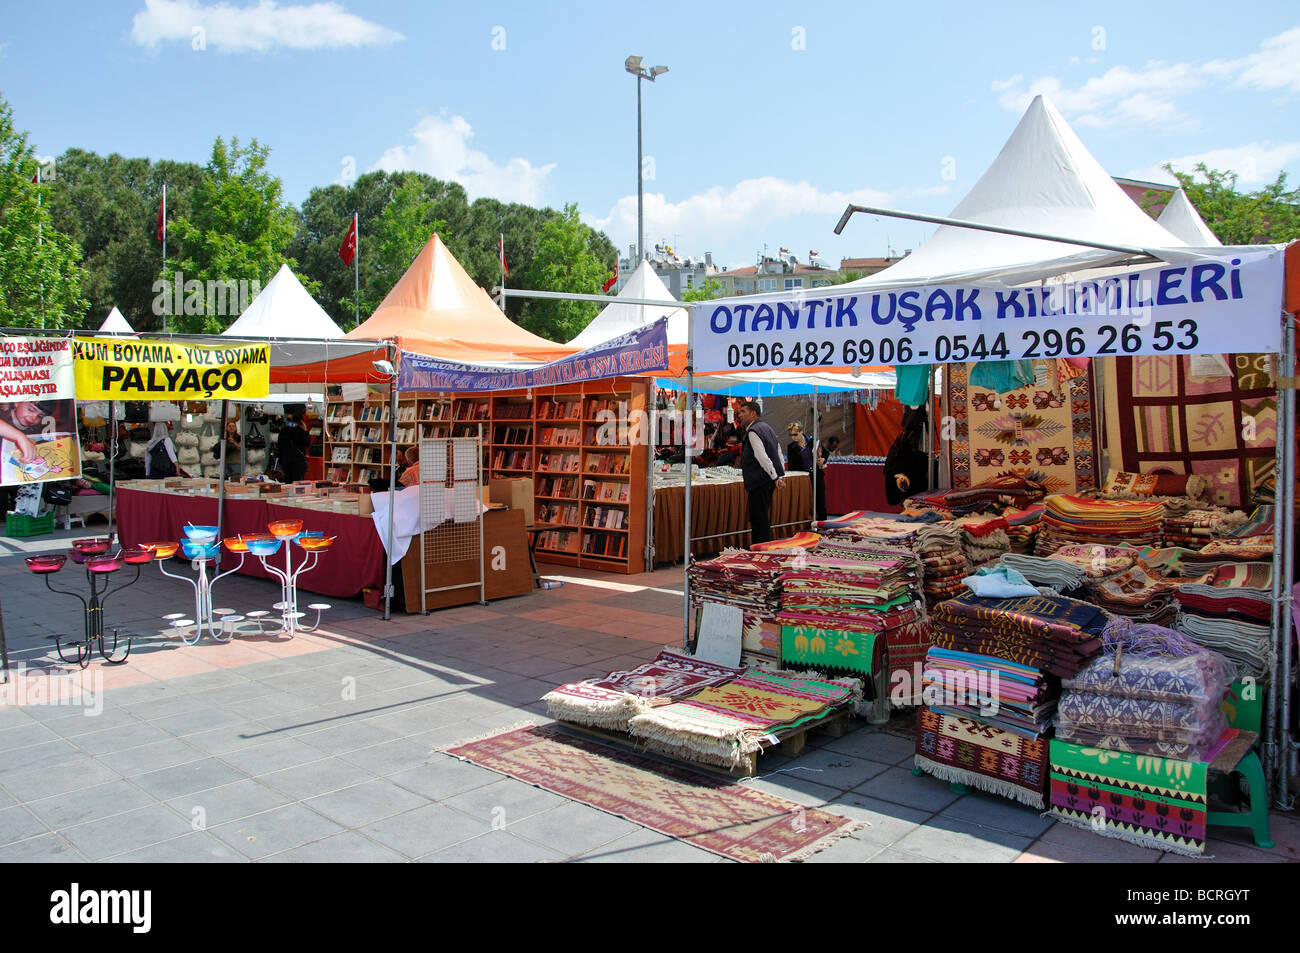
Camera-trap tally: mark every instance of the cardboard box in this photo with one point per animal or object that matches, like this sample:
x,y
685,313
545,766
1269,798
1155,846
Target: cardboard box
x,y
515,493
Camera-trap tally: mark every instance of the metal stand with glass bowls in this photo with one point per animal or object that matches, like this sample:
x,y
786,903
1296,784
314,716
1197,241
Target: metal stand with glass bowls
x,y
286,533
200,547
100,565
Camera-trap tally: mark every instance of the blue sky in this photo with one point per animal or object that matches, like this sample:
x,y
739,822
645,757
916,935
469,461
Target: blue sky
x,y
771,118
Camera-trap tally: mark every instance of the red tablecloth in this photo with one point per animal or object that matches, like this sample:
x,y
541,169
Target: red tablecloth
x,y
354,562
856,486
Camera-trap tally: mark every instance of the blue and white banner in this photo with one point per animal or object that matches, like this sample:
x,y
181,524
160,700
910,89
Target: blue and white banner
x,y
639,351
1224,305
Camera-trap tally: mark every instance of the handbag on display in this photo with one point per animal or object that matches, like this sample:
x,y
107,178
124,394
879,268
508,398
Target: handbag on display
x,y
255,456
256,415
163,411
186,439
187,456
136,412
255,439
213,413
276,424
58,493
95,410
207,437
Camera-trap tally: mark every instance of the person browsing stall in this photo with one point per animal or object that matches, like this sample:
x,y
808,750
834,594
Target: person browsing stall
x,y
760,463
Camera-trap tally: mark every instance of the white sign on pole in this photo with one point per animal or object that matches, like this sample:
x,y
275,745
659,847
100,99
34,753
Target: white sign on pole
x,y
1222,305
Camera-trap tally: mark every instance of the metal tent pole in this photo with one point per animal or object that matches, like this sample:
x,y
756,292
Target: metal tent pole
x,y
221,476
1284,504
392,484
112,461
816,454
687,444
651,439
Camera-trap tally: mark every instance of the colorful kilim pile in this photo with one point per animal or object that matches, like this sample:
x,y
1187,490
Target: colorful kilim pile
x,y
1050,633
1154,802
1017,698
983,756
1158,417
1033,432
837,652
798,542
716,815
610,702
1073,519
724,724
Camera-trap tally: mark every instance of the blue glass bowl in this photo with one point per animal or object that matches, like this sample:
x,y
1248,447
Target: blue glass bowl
x,y
201,534
264,547
197,550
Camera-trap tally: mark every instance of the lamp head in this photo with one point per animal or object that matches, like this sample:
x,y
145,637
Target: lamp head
x,y
385,368
656,70
633,65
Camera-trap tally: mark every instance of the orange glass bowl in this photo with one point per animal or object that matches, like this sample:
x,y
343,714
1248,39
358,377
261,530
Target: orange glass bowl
x,y
163,550
285,528
315,543
236,544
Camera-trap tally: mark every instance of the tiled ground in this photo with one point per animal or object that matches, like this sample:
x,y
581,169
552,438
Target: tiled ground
x,y
324,748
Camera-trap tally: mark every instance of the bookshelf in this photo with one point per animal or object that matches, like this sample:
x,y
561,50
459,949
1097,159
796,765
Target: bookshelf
x,y
572,440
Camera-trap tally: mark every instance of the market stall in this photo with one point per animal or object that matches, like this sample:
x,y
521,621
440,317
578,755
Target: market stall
x,y
720,515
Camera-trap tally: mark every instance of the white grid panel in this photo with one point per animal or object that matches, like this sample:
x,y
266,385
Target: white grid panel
x,y
450,497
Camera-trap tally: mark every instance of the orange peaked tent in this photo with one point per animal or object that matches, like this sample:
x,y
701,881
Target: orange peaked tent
x,y
435,309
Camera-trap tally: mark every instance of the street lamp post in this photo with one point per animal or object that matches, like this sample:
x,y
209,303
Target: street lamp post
x,y
633,66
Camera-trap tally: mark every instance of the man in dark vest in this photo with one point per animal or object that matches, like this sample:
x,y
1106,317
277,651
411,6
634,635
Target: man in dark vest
x,y
760,462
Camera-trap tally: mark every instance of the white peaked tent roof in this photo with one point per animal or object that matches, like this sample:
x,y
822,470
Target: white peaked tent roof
x,y
116,324
1044,180
618,319
284,309
1183,221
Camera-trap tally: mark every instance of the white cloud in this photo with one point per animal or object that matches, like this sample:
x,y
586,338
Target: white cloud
x,y
719,216
1146,95
231,29
441,149
1255,164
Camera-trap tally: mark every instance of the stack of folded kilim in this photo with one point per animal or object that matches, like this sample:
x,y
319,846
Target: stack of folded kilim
x,y
1160,696
1140,594
1014,697
864,594
1195,528
1231,613
984,540
1051,633
1023,527
944,562
751,581
1225,552
1060,574
1098,562
1072,519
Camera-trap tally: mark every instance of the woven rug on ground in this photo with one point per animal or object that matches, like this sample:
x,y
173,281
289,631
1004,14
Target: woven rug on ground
x,y
1033,430
611,701
724,724
713,814
1154,802
982,756
1160,418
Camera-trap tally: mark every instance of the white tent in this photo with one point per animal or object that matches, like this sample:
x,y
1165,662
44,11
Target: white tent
x,y
116,324
284,309
619,318
1045,181
1182,220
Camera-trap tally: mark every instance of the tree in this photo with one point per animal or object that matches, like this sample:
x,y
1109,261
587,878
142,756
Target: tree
x,y
109,205
712,288
40,272
566,260
1267,216
233,239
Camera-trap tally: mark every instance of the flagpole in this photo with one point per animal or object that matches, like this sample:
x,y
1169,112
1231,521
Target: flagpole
x,y
164,249
501,255
39,238
356,265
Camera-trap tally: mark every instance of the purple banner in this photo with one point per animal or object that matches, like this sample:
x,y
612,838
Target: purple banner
x,y
639,351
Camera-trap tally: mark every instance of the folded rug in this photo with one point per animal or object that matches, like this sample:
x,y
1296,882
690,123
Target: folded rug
x,y
970,751
610,702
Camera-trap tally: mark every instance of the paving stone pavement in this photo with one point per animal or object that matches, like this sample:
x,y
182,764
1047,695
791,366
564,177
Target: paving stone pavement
x,y
326,748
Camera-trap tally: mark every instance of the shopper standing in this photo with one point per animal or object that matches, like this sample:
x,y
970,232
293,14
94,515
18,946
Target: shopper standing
x,y
293,444
760,463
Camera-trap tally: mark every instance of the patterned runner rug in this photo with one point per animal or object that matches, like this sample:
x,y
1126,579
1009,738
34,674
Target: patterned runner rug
x,y
710,813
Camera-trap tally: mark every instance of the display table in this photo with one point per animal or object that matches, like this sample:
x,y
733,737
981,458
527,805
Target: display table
x,y
506,567
856,486
723,508
355,562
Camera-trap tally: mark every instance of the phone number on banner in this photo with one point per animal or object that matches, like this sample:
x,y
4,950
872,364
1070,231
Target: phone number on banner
x,y
1028,343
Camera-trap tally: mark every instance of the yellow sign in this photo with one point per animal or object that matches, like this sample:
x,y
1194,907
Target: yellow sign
x,y
109,369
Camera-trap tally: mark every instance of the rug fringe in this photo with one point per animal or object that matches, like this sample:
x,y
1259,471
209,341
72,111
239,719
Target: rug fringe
x,y
826,840
946,772
586,711
517,726
1140,840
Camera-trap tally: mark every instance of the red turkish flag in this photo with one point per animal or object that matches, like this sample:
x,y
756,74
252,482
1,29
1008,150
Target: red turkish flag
x,y
501,249
348,250
613,280
162,220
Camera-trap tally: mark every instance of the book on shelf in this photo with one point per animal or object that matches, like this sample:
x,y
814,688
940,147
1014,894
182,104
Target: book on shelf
x,y
606,517
465,409
559,409
558,462
558,486
609,545
505,410
512,435
604,405
605,491
559,436
614,464
559,540
557,513
604,435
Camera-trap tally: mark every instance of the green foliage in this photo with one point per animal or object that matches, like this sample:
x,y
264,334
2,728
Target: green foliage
x,y
237,230
712,288
847,276
40,273
109,205
565,260
1267,216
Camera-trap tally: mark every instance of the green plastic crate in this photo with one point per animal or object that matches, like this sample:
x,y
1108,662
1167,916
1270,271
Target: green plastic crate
x,y
20,524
